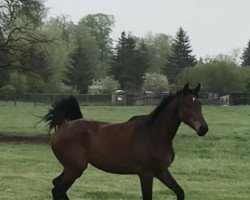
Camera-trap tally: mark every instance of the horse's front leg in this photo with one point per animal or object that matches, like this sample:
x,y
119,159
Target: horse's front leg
x,y
167,179
146,186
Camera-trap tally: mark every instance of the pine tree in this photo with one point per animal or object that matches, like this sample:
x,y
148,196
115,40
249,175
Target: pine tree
x,y
142,64
130,63
119,59
181,56
246,56
78,73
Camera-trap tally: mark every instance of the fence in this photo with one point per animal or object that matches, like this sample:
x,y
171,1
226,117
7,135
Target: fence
x,y
43,98
88,99
239,98
234,98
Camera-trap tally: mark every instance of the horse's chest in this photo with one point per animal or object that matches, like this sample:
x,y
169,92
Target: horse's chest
x,y
162,159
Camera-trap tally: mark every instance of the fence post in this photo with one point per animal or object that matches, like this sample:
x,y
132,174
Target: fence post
x,y
248,98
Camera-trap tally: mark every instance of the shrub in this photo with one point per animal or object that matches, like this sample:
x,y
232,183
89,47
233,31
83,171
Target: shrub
x,y
155,82
19,82
105,85
7,91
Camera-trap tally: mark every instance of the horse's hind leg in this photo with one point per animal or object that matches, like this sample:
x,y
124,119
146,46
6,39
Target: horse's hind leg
x,y
57,180
68,178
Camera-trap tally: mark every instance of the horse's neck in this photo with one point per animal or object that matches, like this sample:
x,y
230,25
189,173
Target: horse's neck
x,y
167,123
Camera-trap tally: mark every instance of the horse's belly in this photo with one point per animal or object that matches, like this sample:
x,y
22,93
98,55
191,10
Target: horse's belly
x,y
116,160
115,168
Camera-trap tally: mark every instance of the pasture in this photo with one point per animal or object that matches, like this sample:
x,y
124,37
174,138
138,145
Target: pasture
x,y
212,167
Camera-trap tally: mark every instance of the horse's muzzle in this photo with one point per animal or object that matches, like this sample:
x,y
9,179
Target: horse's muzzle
x,y
203,129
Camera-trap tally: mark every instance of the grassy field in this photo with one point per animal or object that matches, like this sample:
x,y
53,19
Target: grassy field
x,y
22,119
214,167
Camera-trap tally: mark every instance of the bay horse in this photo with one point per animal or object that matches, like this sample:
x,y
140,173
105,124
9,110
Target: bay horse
x,y
141,146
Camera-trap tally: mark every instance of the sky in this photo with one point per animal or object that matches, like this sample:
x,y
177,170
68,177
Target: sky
x,y
214,26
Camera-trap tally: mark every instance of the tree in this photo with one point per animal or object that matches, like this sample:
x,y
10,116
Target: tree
x,y
246,56
99,27
84,40
78,73
130,62
120,58
58,52
159,47
84,63
142,63
3,55
34,58
215,76
19,82
225,58
4,76
4,73
36,84
181,56
246,77
19,22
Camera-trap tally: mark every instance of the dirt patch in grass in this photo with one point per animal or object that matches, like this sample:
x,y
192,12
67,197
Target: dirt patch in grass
x,y
43,139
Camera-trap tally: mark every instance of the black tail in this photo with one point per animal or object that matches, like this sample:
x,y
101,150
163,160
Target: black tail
x,y
61,111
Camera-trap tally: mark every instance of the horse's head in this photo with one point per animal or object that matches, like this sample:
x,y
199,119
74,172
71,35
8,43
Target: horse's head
x,y
190,110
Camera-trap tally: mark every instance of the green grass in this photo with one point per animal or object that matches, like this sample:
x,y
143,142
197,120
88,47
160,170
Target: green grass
x,y
22,119
214,167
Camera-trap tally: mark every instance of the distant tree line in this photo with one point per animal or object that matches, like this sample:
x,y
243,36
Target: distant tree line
x,y
60,56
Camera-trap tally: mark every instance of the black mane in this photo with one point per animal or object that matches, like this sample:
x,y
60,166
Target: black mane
x,y
163,104
167,100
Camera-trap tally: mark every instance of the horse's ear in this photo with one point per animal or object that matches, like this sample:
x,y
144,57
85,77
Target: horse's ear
x,y
197,89
185,89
